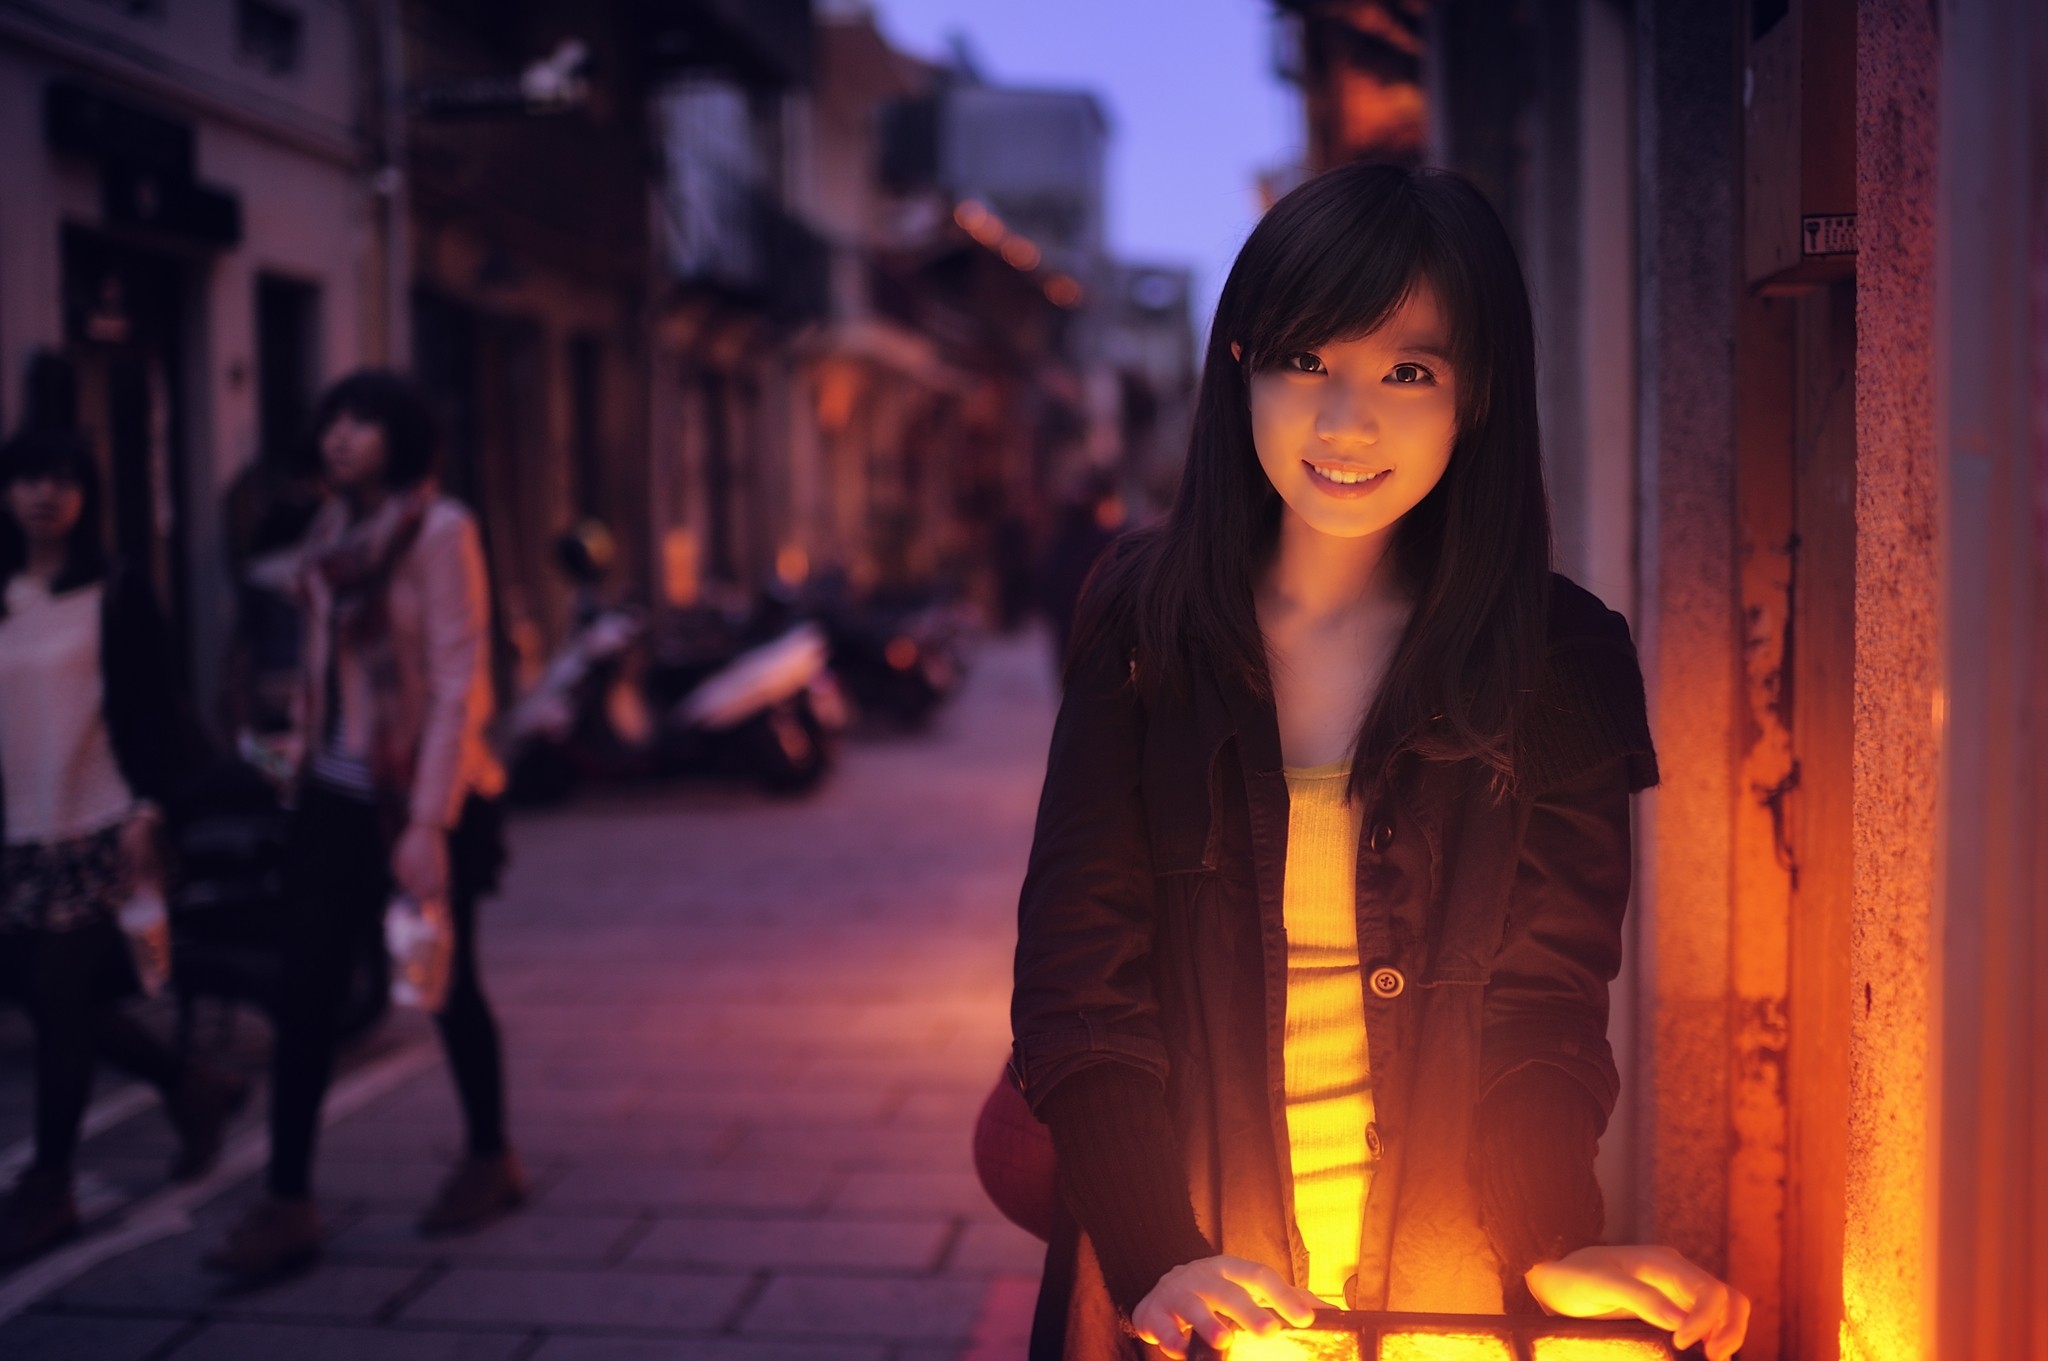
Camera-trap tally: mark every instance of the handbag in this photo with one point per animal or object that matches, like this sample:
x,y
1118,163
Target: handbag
x,y
1013,1157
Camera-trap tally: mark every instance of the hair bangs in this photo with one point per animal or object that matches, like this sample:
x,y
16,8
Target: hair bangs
x,y
1343,279
62,455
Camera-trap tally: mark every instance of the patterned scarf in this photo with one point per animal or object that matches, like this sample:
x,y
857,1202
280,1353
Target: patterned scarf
x,y
357,570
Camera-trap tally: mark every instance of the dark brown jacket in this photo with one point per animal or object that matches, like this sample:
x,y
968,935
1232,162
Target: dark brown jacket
x,y
1151,935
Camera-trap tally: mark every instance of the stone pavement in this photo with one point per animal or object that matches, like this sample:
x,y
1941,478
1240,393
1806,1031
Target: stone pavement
x,y
746,1041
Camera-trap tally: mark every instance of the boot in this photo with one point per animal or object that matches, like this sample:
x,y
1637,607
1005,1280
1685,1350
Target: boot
x,y
38,1214
276,1238
207,1099
478,1190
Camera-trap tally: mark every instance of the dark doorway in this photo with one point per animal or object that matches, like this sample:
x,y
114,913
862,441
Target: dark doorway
x,y
586,424
287,368
486,379
124,333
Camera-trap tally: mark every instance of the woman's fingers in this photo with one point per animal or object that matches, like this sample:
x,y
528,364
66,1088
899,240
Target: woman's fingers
x,y
1216,1298
1200,1318
1156,1324
1705,1316
1297,1307
1649,1304
1240,1306
1672,1272
1727,1339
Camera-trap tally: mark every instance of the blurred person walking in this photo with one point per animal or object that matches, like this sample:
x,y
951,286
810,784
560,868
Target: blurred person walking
x,y
398,790
92,740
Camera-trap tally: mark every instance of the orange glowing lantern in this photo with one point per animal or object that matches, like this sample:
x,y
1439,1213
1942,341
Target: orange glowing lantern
x,y
1343,1336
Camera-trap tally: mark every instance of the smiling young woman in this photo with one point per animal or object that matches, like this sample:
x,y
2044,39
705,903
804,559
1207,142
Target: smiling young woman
x,y
1331,860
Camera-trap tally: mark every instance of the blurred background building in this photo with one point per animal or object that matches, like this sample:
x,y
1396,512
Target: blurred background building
x,y
768,297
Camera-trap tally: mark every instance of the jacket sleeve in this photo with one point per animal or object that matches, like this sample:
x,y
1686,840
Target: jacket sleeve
x,y
1547,1077
1083,991
457,628
1546,999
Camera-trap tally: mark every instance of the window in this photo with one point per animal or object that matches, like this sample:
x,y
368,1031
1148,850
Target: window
x,y
268,36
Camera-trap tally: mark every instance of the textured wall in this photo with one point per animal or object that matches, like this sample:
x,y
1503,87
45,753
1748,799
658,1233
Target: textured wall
x,y
1688,167
1897,677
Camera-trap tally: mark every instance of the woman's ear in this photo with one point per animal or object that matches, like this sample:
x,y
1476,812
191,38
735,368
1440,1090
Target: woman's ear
x,y
1237,352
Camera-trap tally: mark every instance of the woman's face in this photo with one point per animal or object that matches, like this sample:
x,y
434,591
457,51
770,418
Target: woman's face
x,y
46,506
1354,434
354,453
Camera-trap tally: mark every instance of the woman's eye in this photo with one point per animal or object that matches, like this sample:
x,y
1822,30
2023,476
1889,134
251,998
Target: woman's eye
x,y
1302,363
1409,374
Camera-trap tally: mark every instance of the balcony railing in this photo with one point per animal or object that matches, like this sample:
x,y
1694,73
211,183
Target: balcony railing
x,y
734,239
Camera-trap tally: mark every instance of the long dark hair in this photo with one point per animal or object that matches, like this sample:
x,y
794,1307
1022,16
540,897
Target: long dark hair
x,y
41,450
1332,260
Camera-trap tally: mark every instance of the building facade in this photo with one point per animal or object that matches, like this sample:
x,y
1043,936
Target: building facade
x,y
188,217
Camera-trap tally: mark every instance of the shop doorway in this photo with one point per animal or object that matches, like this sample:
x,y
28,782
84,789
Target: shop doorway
x,y
125,327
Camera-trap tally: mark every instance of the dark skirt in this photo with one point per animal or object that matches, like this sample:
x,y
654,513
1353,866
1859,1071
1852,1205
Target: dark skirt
x,y
54,886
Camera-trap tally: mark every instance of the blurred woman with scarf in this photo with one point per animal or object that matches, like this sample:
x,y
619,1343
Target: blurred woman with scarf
x,y
398,789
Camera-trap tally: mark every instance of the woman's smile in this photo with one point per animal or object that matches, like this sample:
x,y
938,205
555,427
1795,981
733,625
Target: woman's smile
x,y
1337,479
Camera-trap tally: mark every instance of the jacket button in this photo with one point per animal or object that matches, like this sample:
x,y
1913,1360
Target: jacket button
x,y
1375,1146
1382,836
1387,983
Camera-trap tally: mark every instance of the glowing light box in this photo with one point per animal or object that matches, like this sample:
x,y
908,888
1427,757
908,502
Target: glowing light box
x,y
1342,1336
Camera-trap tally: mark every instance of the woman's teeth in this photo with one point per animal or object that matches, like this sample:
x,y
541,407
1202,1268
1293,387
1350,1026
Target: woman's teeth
x,y
1344,477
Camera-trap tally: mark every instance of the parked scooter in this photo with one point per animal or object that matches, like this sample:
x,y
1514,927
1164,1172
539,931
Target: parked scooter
x,y
757,701
899,664
569,724
737,693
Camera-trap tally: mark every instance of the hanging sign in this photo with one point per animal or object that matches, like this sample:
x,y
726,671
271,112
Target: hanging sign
x,y
1827,234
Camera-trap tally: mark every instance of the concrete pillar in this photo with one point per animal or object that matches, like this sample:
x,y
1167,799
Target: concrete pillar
x,y
1687,168
1898,674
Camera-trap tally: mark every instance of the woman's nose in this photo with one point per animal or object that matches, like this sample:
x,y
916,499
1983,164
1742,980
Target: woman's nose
x,y
1347,416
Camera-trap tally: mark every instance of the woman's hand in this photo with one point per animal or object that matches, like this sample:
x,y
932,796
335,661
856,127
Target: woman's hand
x,y
1218,1296
419,862
1654,1284
141,848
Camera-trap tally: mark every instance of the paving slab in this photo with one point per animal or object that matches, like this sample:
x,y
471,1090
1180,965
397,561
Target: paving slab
x,y
996,1248
907,1245
282,1342
888,1308
61,1337
615,1299
634,1187
954,1192
530,1238
165,1277
704,1349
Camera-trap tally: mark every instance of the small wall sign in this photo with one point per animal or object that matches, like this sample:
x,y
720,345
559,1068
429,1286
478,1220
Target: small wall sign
x,y
1827,234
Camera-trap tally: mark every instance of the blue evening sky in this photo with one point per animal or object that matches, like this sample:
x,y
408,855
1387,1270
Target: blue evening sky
x,y
1194,108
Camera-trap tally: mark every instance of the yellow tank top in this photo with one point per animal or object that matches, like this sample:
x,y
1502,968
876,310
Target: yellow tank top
x,y
1329,1091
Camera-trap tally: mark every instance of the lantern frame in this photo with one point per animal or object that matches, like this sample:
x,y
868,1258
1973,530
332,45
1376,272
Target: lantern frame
x,y
1519,1334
